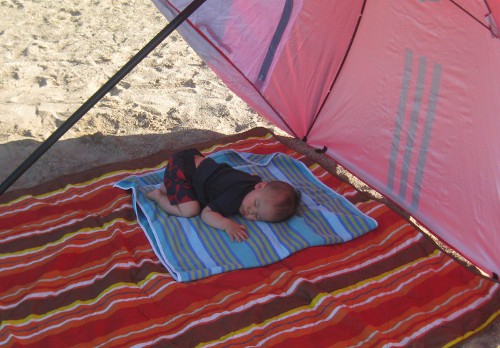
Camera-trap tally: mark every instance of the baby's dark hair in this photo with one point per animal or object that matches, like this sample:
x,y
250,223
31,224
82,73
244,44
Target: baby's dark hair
x,y
285,199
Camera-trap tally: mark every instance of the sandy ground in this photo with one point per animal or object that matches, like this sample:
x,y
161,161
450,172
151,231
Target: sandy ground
x,y
55,55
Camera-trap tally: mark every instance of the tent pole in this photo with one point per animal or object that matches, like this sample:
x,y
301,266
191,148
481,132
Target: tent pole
x,y
97,96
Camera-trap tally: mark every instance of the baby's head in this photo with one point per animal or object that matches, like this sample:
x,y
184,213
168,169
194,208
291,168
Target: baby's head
x,y
271,201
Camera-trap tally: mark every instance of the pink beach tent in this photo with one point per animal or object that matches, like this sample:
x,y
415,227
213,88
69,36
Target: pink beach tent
x,y
405,94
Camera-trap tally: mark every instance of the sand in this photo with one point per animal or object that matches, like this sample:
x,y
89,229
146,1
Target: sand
x,y
55,55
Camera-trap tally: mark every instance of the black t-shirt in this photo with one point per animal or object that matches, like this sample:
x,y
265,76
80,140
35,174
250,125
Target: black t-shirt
x,y
222,187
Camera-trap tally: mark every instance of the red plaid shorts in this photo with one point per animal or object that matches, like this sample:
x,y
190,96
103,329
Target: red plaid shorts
x,y
179,175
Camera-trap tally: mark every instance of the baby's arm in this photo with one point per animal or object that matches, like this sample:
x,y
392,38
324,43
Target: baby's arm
x,y
217,220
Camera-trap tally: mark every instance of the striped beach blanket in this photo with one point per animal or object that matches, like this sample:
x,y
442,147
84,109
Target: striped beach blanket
x,y
77,270
192,250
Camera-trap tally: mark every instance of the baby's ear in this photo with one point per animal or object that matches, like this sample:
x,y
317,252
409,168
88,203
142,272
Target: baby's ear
x,y
260,185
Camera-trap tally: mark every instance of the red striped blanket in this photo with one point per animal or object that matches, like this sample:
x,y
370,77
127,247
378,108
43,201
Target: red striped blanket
x,y
77,270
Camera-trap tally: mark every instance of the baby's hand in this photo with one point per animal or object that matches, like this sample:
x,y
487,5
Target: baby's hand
x,y
237,232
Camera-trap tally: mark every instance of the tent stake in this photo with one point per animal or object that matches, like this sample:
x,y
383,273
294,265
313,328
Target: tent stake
x,y
97,96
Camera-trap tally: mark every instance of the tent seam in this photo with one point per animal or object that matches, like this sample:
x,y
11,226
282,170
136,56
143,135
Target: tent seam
x,y
338,72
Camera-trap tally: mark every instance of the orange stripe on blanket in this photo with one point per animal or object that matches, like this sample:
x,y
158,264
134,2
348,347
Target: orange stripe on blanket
x,y
24,286
283,278
335,311
110,304
104,285
45,215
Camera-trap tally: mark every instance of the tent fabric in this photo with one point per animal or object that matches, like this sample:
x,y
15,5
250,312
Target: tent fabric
x,y
494,17
404,94
78,271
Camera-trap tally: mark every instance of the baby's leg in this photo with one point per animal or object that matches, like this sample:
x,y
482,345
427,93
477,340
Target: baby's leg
x,y
186,209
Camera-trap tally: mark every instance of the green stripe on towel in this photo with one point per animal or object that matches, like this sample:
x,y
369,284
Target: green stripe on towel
x,y
191,250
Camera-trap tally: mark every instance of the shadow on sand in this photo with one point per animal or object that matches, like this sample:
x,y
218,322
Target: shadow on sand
x,y
74,155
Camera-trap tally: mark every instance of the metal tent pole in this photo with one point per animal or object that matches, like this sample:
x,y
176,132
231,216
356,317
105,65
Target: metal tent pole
x,y
97,96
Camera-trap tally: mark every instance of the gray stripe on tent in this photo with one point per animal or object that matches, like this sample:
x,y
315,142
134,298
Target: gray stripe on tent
x,y
403,99
278,34
426,137
412,130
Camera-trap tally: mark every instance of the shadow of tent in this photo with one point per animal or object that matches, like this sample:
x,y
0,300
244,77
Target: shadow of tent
x,y
78,154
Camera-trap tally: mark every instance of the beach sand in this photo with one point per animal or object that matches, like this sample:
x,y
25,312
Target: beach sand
x,y
55,55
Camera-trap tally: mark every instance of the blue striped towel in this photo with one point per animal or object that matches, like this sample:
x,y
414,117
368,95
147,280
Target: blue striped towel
x,y
191,250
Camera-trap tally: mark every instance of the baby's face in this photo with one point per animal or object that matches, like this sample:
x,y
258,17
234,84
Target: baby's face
x,y
257,205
